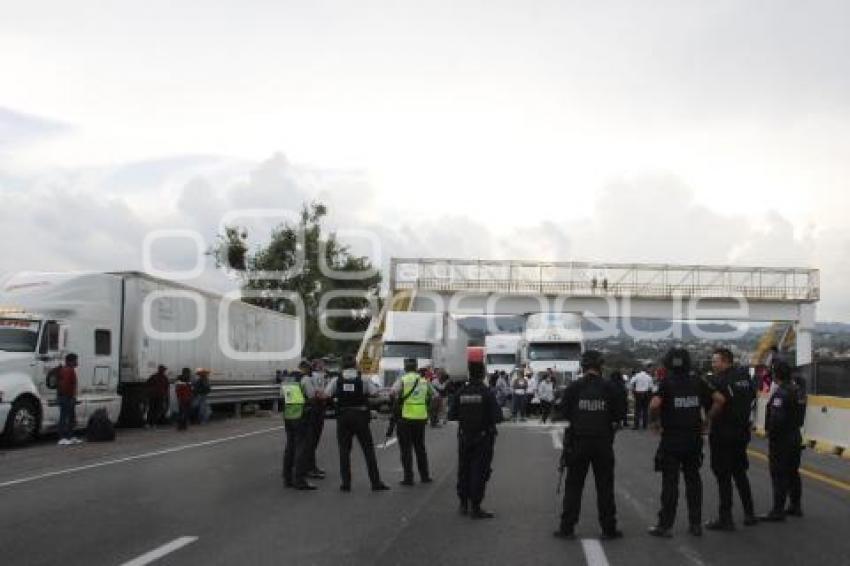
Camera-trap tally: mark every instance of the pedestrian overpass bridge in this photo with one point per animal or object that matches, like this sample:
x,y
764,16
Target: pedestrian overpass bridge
x,y
601,291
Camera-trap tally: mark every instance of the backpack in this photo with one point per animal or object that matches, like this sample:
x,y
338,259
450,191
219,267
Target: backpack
x,y
100,428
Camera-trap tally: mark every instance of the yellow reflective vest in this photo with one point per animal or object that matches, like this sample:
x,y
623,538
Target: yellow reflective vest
x,y
415,407
293,401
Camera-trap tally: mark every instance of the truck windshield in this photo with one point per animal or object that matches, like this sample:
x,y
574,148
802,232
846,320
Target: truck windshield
x,y
407,350
18,335
501,358
544,351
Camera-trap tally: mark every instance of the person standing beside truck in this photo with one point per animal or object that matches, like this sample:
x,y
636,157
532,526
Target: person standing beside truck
x,y
412,394
200,389
183,392
158,388
66,390
520,388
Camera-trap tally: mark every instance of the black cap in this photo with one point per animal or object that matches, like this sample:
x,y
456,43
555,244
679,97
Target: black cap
x,y
349,362
592,359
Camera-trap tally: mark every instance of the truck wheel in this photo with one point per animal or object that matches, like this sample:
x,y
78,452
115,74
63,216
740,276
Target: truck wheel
x,y
22,423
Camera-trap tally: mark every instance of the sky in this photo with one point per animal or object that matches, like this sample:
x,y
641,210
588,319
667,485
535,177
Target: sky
x,y
670,131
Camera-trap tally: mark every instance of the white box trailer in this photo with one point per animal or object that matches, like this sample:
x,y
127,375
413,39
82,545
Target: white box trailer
x,y
122,326
434,339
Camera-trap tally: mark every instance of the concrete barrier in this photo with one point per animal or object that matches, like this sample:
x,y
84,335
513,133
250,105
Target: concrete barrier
x,y
827,427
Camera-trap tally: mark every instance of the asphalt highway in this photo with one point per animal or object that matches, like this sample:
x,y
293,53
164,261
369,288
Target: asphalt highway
x,y
214,495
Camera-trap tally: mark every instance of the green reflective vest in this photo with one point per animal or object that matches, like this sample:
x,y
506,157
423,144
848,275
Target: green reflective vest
x,y
415,407
293,401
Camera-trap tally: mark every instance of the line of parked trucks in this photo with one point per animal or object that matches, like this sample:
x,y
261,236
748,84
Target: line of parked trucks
x,y
122,325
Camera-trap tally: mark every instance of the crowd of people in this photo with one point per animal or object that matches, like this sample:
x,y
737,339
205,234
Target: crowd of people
x,y
190,397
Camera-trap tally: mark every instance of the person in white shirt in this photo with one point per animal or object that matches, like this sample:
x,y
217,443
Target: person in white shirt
x,y
519,387
531,396
546,393
641,385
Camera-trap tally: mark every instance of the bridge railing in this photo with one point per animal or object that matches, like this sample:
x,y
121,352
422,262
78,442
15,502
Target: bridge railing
x,y
591,280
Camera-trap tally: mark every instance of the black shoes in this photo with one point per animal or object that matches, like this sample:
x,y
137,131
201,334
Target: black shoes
x,y
316,475
463,508
406,483
611,535
427,480
660,532
479,513
345,487
305,486
720,525
794,512
750,520
380,487
773,517
565,534
288,483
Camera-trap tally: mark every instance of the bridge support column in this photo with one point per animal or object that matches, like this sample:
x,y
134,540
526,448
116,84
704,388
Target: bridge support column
x,y
803,330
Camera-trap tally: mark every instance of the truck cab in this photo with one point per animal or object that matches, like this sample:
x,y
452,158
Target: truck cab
x,y
37,330
553,341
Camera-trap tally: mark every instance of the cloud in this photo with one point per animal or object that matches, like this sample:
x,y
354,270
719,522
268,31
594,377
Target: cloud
x,y
72,222
17,128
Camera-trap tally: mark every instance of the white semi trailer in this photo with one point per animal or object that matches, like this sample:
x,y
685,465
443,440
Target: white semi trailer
x,y
435,340
122,326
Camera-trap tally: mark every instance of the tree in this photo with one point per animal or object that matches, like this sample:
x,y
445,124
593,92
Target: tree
x,y
281,255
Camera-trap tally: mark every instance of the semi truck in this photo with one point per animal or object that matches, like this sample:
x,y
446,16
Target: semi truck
x,y
435,340
553,341
501,352
122,325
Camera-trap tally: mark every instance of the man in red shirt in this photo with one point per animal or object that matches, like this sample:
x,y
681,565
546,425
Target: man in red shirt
x,y
183,392
66,389
158,388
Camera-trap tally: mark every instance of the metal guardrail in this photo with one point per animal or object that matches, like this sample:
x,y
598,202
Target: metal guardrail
x,y
591,280
221,394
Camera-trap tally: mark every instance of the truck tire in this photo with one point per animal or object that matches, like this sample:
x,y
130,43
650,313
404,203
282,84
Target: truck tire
x,y
22,423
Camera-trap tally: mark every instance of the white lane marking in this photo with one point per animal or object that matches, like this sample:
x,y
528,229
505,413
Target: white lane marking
x,y
158,553
557,439
388,443
593,552
136,457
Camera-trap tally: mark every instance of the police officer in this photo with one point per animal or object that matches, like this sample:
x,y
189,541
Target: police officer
x,y
295,454
679,403
351,394
412,395
729,438
313,384
594,411
477,412
782,422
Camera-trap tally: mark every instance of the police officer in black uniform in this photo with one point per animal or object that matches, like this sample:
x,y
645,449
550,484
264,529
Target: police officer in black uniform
x,y
679,403
729,438
782,422
351,394
594,411
475,408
